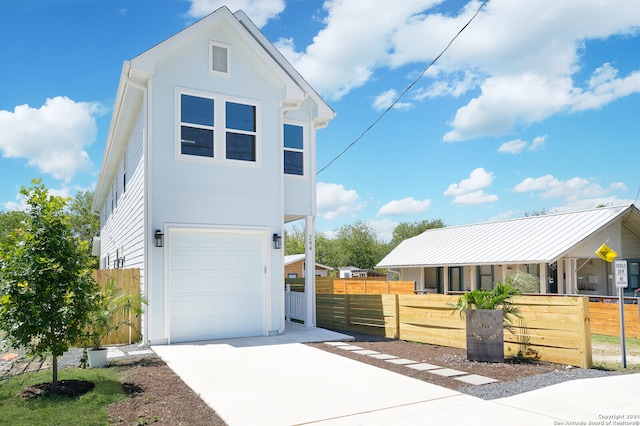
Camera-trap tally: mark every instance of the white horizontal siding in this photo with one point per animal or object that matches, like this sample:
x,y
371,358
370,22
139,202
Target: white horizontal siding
x,y
123,229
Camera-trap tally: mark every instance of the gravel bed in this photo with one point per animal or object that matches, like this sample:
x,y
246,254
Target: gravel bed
x,y
526,384
72,357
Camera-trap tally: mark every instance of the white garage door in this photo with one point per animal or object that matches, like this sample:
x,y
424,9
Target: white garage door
x,y
216,284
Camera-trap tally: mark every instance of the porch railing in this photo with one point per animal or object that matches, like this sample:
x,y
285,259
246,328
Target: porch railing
x,y
295,303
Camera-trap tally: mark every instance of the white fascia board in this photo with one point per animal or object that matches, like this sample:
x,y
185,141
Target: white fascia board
x,y
127,96
324,111
146,61
106,174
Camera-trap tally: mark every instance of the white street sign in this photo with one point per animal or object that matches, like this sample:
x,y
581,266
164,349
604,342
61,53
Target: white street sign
x,y
621,273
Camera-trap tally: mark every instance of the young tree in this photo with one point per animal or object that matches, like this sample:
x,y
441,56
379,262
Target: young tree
x,y
46,292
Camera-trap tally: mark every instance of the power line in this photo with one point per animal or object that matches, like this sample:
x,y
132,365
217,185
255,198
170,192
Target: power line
x,y
404,92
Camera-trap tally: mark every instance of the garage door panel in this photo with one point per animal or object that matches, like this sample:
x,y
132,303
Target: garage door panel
x,y
216,284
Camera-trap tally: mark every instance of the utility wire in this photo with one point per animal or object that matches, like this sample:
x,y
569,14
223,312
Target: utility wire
x,y
405,90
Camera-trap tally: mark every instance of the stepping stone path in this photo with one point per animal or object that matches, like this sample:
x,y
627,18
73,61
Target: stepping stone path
x,y
473,379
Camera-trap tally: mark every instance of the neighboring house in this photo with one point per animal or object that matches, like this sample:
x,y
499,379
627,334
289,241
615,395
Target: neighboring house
x,y
557,248
353,272
211,150
294,267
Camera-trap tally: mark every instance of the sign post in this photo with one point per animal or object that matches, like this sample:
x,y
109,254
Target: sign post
x,y
620,267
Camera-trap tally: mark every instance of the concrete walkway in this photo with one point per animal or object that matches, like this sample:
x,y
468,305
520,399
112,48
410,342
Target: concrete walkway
x,y
279,381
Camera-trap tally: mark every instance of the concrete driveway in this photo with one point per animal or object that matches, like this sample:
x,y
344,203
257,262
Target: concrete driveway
x,y
280,381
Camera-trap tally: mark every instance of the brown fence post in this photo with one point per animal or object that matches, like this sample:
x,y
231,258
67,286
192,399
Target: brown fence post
x,y
584,331
397,314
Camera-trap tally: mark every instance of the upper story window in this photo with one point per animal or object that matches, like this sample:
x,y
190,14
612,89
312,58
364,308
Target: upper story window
x,y
240,131
215,127
293,150
196,125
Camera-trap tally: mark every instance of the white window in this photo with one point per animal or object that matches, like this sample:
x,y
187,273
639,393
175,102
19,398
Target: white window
x,y
216,127
293,149
196,125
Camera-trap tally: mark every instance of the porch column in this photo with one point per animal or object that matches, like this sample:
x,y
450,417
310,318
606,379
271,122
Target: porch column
x,y
310,271
445,278
560,275
542,267
571,276
473,271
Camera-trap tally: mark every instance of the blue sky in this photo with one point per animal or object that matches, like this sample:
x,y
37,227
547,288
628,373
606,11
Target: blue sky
x,y
535,106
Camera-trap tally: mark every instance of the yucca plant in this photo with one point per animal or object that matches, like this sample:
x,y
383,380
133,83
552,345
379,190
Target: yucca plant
x,y
496,298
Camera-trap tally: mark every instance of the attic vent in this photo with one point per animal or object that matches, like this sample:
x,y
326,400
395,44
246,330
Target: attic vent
x,y
219,58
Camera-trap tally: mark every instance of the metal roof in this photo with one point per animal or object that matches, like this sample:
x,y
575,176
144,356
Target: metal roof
x,y
293,258
535,239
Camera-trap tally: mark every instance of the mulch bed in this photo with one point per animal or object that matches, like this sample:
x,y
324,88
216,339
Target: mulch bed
x,y
157,396
70,388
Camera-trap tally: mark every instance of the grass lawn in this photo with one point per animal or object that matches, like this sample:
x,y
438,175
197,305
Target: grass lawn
x,y
88,409
607,353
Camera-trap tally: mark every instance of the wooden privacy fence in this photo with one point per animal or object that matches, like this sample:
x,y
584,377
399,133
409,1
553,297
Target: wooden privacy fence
x,y
554,329
330,285
129,281
605,319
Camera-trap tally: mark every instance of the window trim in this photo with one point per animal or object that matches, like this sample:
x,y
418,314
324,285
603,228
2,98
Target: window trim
x,y
219,129
304,150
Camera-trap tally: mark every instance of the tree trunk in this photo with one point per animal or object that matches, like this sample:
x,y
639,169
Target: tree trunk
x,y
54,381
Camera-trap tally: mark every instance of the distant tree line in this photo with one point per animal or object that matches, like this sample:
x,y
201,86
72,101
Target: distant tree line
x,y
356,244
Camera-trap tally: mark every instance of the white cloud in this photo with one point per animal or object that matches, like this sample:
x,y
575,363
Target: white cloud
x,y
383,228
475,197
21,203
605,87
524,68
513,147
333,200
356,40
385,100
478,178
516,146
259,11
574,191
51,138
455,87
471,190
404,207
538,143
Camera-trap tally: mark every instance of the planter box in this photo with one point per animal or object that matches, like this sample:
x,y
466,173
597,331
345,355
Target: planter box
x,y
485,335
97,358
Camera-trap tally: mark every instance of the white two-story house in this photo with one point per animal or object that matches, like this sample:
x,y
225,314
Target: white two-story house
x,y
211,150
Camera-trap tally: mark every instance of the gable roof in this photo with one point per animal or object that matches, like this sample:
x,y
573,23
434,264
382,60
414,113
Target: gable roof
x,y
536,239
293,258
135,73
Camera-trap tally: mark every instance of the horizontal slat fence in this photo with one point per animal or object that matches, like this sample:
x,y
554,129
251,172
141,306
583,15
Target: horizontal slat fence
x,y
554,329
605,319
372,287
129,281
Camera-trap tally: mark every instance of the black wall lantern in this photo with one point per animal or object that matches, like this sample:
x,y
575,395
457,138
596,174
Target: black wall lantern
x,y
276,241
158,238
